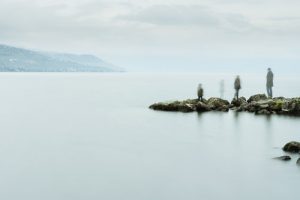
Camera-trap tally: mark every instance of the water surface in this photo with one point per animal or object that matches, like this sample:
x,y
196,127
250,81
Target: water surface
x,y
82,136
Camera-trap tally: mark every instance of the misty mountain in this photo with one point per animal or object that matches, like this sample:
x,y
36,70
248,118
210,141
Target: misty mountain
x,y
14,59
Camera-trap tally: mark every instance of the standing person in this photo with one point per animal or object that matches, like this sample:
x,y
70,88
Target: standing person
x,y
222,89
270,76
237,86
200,92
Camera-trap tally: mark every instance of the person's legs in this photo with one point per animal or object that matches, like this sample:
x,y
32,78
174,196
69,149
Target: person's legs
x,y
270,92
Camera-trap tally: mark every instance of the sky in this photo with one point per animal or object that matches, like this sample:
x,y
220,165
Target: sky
x,y
161,35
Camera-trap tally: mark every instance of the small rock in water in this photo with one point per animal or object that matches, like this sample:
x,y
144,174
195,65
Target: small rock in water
x,y
283,158
298,161
293,147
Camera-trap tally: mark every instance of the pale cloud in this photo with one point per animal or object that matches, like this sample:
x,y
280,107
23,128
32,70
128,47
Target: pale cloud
x,y
174,15
145,32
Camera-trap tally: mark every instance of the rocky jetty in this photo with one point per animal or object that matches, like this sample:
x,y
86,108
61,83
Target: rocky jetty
x,y
192,105
258,104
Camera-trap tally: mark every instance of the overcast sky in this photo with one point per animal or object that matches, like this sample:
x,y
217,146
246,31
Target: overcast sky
x,y
160,34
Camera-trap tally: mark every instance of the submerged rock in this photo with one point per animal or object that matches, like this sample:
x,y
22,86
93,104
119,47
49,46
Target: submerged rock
x,y
283,158
293,147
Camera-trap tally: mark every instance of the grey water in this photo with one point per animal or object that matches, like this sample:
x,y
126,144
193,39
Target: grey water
x,y
81,136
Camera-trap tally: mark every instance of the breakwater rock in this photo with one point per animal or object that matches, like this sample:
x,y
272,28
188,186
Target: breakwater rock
x,y
191,105
258,104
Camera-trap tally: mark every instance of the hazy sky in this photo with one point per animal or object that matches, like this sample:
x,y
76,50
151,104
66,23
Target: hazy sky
x,y
160,34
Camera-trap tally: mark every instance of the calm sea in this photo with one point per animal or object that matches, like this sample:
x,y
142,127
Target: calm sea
x,y
81,136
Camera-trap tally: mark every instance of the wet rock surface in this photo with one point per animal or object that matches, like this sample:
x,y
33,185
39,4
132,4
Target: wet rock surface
x,y
258,104
257,97
238,102
292,147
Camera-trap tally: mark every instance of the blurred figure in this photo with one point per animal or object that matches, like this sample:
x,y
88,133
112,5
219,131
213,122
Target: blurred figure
x,y
200,92
237,86
270,83
222,89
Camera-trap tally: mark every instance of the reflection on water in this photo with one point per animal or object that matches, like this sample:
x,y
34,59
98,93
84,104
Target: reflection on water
x,y
71,136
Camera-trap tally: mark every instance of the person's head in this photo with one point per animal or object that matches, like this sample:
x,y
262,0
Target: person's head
x,y
200,85
269,69
238,76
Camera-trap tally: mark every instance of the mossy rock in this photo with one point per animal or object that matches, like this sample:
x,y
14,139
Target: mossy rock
x,y
293,147
257,97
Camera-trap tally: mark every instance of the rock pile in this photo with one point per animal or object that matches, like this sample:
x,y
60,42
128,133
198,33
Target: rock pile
x,y
258,104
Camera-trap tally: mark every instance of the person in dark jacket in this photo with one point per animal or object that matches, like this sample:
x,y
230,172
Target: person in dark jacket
x,y
270,77
200,92
237,86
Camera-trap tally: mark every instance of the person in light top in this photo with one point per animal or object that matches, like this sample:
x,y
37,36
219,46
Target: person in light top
x,y
270,77
237,86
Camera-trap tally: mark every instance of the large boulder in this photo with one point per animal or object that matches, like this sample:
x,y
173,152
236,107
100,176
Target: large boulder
x,y
189,105
291,106
257,97
261,107
238,102
186,107
181,106
276,105
202,107
293,147
218,104
165,106
264,104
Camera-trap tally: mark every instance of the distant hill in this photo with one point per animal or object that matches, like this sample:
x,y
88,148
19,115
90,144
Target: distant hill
x,y
14,59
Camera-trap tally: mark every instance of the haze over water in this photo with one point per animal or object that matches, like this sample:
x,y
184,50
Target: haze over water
x,y
91,136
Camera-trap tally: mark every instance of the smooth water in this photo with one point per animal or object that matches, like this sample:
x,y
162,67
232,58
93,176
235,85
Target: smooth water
x,y
91,136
